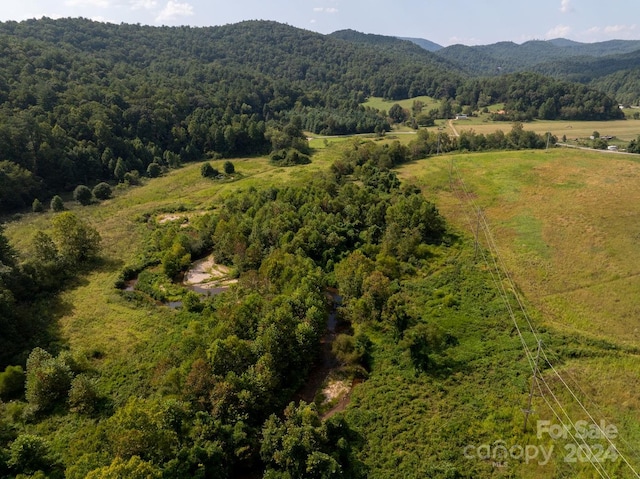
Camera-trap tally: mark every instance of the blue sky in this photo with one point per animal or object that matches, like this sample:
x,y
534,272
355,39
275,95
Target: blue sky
x,y
471,22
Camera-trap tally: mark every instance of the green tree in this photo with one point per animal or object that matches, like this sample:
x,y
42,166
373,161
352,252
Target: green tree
x,y
11,382
351,272
57,204
134,468
175,260
142,427
398,114
120,169
302,446
228,167
82,194
37,206
29,454
18,186
154,170
47,380
208,171
102,191
76,241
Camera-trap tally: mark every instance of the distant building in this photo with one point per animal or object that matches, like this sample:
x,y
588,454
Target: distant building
x,y
462,117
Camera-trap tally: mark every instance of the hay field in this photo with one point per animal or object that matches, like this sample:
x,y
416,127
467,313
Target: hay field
x,y
567,224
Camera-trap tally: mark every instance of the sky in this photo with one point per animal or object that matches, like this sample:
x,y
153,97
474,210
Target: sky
x,y
446,22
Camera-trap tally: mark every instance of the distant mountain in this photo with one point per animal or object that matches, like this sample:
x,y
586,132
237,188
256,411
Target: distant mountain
x,y
426,44
509,57
605,66
406,44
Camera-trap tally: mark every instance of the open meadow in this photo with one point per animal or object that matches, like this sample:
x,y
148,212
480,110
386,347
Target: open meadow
x,y
623,130
565,227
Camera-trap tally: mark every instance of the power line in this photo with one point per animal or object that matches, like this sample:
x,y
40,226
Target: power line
x,y
502,274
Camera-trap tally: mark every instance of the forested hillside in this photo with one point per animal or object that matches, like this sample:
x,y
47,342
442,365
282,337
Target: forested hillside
x,y
605,66
83,102
509,57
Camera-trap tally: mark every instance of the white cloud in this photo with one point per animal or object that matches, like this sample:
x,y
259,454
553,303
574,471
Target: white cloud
x,y
609,32
559,31
619,29
88,3
143,4
565,6
325,10
173,10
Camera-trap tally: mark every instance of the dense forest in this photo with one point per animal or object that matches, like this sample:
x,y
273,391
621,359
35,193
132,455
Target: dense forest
x,y
606,66
84,102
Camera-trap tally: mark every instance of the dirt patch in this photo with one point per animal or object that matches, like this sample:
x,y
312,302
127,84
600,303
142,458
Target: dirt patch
x,y
335,389
168,218
207,274
340,392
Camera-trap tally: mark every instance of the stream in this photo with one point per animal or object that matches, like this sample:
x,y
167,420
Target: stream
x,y
327,363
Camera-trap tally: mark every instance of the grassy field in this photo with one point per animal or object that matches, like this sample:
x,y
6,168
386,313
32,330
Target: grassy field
x,y
566,223
384,105
566,226
625,130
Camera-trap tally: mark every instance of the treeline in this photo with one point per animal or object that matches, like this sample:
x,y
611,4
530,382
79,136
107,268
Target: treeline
x,y
83,102
529,96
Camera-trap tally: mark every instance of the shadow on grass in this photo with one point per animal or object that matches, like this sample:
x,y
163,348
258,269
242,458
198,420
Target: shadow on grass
x,y
35,318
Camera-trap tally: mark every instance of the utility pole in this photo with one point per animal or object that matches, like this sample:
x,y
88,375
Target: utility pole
x,y
528,411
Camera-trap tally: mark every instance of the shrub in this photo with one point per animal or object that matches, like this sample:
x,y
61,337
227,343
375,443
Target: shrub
x,y
29,454
102,191
82,194
37,206
228,167
83,397
11,382
154,170
289,157
208,171
132,178
57,204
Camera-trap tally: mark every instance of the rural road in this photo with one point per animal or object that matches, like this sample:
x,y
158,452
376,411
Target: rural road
x,y
567,145
453,128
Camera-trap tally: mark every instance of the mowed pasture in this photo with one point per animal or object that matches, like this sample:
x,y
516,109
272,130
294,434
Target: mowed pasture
x,y
624,130
384,105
